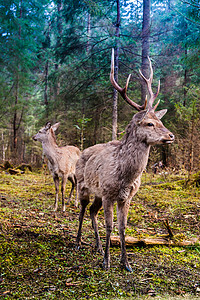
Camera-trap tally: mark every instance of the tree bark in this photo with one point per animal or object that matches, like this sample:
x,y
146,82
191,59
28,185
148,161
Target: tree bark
x,y
60,30
164,155
145,45
4,147
191,142
88,33
59,20
15,126
46,102
46,74
115,94
15,115
185,71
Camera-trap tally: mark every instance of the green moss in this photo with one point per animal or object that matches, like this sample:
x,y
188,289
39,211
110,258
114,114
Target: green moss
x,y
39,260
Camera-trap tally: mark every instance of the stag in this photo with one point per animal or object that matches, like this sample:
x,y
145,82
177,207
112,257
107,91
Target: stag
x,y
112,171
61,161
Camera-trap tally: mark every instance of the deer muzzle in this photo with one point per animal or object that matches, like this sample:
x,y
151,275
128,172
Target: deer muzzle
x,y
34,138
168,139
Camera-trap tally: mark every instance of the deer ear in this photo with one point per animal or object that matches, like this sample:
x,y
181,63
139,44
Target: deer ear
x,y
48,125
55,126
159,114
141,116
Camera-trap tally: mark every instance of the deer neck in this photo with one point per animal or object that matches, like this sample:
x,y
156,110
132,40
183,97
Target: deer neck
x,y
133,157
50,149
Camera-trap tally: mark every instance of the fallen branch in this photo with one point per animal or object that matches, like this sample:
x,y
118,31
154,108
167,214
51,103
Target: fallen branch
x,y
166,223
13,171
153,241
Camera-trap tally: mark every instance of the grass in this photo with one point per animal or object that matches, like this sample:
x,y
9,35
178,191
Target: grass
x,y
39,260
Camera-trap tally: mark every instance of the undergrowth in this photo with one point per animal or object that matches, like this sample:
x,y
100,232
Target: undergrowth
x,y
39,260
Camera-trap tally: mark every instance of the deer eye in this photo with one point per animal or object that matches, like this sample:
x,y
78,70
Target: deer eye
x,y
150,124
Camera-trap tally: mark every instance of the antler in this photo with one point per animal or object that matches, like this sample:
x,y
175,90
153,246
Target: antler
x,y
123,91
149,82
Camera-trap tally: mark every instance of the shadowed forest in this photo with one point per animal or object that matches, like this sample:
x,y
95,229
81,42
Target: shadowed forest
x,y
55,67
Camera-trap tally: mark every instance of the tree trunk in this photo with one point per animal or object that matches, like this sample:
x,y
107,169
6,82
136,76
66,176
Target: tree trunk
x,y
4,147
115,95
191,142
15,116
145,45
59,20
15,127
88,33
185,71
46,102
96,124
184,86
164,155
60,29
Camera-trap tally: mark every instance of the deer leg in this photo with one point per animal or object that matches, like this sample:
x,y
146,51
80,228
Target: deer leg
x,y
84,200
76,196
73,182
56,181
122,211
94,208
63,187
108,215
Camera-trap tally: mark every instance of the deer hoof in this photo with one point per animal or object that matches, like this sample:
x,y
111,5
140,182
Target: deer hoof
x,y
78,243
106,265
100,250
127,267
78,246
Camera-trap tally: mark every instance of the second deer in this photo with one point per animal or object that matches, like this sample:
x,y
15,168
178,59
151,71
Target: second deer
x,y
61,161
113,171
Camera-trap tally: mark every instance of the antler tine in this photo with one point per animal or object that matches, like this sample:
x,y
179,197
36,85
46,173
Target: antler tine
x,y
123,91
156,105
149,82
127,82
112,79
145,102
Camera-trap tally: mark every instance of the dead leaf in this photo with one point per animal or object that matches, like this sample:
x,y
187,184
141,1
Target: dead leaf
x,y
151,292
70,284
6,292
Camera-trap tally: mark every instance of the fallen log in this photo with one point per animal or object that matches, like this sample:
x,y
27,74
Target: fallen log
x,y
153,241
13,171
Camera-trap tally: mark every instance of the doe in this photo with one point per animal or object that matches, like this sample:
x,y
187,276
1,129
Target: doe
x,y
112,171
61,161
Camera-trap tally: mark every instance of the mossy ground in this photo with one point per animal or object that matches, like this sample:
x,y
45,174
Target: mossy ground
x,y
39,260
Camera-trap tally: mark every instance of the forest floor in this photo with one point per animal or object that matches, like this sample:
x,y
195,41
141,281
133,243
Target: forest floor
x,y
39,260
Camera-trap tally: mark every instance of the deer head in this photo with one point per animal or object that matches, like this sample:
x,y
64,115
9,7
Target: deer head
x,y
45,132
146,124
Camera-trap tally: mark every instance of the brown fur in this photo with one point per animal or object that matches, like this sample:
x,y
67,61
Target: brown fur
x,y
61,161
112,171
